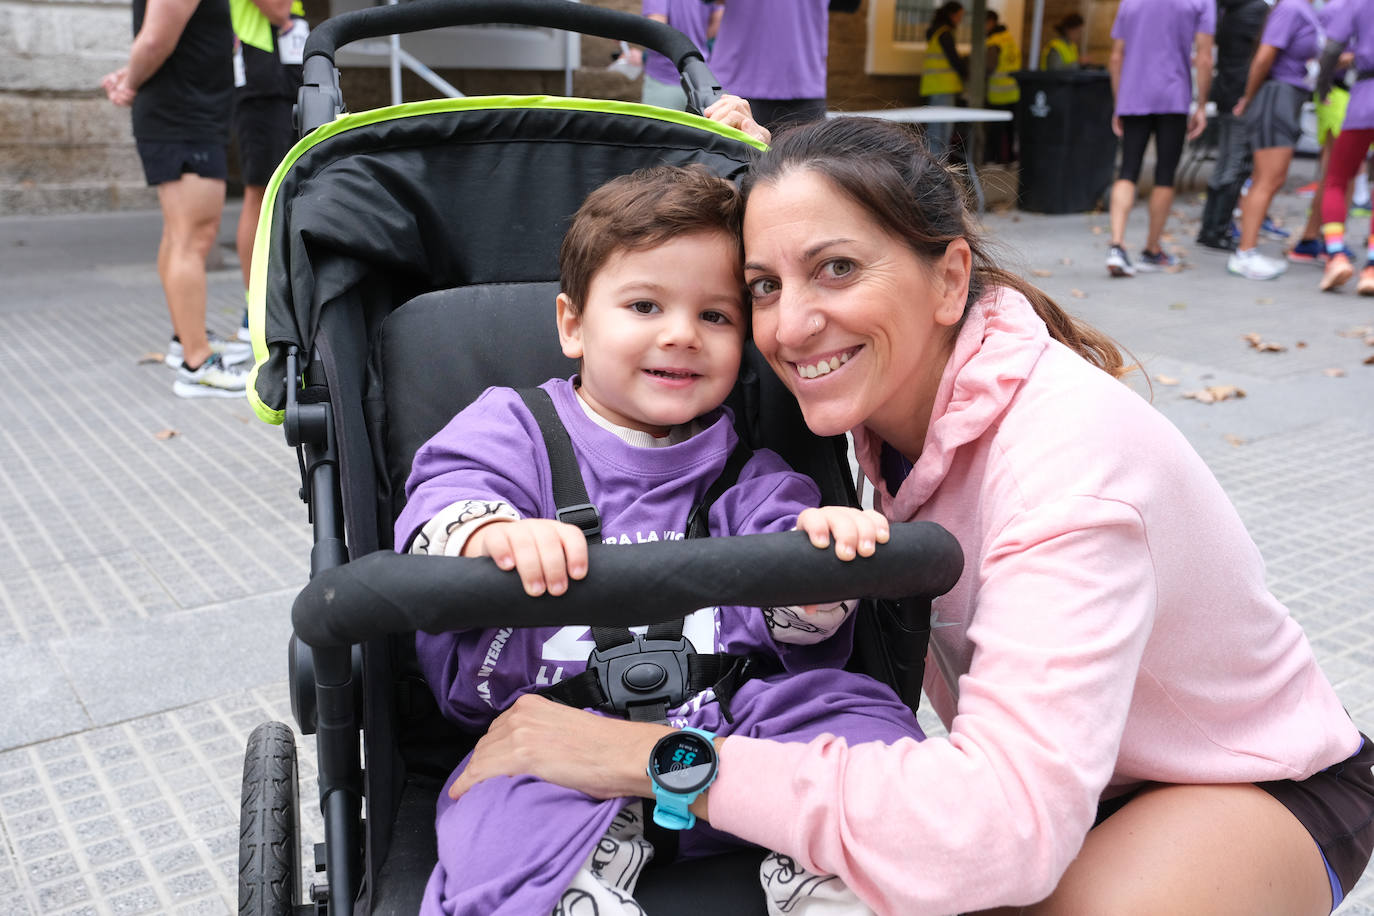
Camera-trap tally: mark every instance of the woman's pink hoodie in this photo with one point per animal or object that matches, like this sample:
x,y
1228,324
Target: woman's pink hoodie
x,y
1111,627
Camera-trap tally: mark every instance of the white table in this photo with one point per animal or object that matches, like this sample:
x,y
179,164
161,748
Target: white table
x,y
940,114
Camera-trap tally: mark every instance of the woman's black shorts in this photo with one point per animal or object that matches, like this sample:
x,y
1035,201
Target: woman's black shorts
x,y
1169,131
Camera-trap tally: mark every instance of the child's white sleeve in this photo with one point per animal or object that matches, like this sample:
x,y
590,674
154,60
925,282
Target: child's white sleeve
x,y
797,627
447,533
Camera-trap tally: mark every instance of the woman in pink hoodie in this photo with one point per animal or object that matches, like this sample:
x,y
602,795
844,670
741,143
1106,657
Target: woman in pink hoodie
x,y
1136,725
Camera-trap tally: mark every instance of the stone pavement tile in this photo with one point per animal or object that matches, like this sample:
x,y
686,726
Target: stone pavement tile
x,y
143,668
51,706
110,844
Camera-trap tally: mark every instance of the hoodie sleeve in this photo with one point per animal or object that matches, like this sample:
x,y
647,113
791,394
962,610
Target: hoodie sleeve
x,y
993,814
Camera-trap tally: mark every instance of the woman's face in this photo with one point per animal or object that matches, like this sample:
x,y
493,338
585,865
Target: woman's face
x,y
848,316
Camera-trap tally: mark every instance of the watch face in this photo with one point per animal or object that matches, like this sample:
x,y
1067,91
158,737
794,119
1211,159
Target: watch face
x,y
683,762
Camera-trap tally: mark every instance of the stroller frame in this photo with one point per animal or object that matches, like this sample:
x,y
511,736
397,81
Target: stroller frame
x,y
318,373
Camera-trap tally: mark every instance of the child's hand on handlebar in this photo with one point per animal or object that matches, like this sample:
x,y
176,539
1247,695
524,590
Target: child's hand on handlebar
x,y
545,553
856,532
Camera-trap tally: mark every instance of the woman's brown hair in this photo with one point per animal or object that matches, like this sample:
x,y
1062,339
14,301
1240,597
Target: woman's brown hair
x,y
887,170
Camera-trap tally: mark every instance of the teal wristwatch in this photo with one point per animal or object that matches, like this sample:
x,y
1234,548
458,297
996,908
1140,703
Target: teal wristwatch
x,y
681,766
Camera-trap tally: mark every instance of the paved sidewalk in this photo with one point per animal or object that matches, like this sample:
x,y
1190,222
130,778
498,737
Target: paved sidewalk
x,y
146,578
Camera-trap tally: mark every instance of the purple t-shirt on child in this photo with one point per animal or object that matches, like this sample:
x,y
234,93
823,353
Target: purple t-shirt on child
x,y
773,49
1352,25
690,17
1294,29
1156,74
510,847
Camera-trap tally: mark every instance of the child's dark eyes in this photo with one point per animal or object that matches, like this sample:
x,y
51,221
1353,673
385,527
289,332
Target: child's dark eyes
x,y
714,317
643,307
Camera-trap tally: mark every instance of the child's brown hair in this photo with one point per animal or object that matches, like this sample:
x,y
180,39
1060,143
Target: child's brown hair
x,y
641,210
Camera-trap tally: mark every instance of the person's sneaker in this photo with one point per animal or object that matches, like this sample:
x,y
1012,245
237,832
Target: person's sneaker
x,y
1307,251
242,333
1272,230
1338,270
1157,260
1307,191
213,379
1366,285
233,351
1360,209
1252,265
1118,264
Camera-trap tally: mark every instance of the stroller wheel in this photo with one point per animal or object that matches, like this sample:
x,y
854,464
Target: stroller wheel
x,y
269,848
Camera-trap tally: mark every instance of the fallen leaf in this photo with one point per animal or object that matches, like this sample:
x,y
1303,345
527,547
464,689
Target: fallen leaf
x,y
1334,373
1097,230
1042,273
1166,380
1358,331
165,434
147,358
1264,346
1369,360
1265,300
1078,294
1301,345
1234,439
1178,306
1213,393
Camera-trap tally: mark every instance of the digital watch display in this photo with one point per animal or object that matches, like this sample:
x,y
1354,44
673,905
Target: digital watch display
x,y
681,766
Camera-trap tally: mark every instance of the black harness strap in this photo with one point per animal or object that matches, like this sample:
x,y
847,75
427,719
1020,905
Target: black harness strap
x,y
569,493
639,677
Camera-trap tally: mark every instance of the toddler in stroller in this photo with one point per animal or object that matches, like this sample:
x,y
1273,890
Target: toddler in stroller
x,y
653,306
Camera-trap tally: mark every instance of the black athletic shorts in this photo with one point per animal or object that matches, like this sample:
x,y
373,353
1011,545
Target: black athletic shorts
x,y
1336,806
263,132
165,161
1169,131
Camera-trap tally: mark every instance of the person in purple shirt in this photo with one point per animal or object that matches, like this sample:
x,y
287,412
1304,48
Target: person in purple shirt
x,y
773,53
697,20
1149,66
1351,27
1272,107
653,306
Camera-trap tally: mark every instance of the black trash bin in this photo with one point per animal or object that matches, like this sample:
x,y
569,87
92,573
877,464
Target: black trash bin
x,y
1068,150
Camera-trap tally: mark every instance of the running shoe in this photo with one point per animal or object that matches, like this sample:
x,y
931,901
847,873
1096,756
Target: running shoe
x,y
233,351
1360,209
1307,191
1157,260
1272,230
1307,251
1338,270
1118,264
213,379
1252,265
1366,286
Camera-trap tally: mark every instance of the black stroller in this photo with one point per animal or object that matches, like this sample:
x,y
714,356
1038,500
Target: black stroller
x,y
407,260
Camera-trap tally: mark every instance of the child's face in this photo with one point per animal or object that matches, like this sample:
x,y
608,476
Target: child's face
x,y
661,332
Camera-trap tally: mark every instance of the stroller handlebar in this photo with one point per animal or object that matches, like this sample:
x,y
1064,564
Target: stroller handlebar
x,y
628,585
419,15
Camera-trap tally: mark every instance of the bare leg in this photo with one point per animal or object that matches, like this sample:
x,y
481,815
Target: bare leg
x,y
1123,197
1271,168
248,228
191,209
1228,849
1161,199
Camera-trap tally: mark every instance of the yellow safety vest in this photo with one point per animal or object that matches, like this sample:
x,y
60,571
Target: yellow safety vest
x,y
1002,87
938,77
1068,53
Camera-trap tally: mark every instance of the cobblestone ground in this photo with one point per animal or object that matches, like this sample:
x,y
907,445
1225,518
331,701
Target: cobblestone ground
x,y
150,547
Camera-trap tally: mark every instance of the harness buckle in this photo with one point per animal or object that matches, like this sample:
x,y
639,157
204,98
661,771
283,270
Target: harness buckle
x,y
643,673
